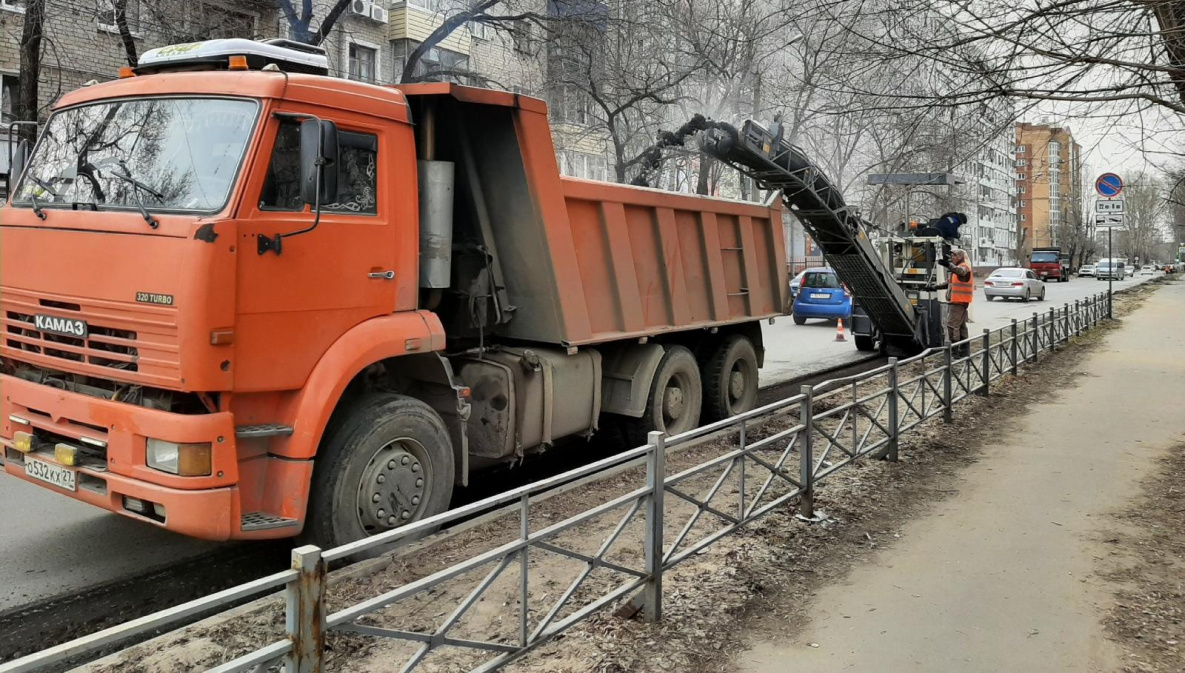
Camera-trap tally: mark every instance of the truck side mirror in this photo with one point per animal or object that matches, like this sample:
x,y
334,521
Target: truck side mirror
x,y
318,161
16,163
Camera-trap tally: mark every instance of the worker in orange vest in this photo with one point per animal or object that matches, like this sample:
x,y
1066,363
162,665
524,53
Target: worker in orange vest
x,y
960,292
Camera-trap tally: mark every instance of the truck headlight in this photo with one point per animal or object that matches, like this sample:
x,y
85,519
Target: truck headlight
x,y
186,460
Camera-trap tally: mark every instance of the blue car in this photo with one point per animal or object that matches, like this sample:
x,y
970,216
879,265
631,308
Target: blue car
x,y
821,295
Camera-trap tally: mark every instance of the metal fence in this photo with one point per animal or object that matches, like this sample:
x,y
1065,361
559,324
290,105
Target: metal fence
x,y
665,512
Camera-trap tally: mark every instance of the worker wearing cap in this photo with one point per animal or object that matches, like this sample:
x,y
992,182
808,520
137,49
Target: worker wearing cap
x,y
961,290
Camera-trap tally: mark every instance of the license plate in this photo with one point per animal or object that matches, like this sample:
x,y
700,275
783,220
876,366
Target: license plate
x,y
816,295
51,474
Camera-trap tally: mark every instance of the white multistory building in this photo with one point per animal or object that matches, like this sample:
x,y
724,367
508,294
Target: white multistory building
x,y
991,222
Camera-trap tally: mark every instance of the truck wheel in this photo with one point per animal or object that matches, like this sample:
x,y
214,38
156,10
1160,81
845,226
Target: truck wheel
x,y
730,379
865,342
676,396
388,463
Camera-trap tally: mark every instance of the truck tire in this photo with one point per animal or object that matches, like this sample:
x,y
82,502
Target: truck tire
x,y
675,399
866,342
390,447
730,379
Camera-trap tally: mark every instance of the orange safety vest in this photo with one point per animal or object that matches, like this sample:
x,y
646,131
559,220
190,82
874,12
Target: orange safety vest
x,y
962,291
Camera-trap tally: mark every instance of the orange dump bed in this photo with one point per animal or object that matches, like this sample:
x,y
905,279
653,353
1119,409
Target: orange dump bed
x,y
585,262
651,261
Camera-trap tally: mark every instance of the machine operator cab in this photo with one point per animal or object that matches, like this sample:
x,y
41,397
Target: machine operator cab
x,y
912,254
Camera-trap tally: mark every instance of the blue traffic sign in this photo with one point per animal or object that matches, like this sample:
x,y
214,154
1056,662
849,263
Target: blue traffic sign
x,y
1109,185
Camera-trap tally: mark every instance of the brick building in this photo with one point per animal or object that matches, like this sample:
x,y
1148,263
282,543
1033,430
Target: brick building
x,y
1048,163
370,42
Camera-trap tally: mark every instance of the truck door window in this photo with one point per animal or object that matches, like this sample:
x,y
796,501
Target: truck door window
x,y
357,183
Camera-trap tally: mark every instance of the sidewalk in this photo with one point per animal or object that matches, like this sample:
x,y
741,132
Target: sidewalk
x,y
1001,576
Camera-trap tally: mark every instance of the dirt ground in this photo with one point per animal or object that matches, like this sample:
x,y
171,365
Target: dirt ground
x,y
763,578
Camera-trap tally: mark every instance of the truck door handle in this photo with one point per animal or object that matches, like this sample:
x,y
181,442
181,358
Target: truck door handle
x,y
383,275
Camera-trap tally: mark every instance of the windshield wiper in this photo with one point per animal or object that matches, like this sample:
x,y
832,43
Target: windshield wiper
x,y
36,207
139,199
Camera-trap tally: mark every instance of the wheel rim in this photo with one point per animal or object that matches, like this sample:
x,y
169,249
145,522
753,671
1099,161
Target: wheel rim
x,y
394,488
738,384
674,402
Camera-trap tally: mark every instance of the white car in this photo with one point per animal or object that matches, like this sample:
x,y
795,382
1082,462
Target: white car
x,y
1146,270
1014,283
1086,271
1131,270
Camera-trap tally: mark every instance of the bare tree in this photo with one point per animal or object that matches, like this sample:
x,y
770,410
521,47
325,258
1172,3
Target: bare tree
x,y
27,102
1078,51
1146,204
300,24
621,73
125,34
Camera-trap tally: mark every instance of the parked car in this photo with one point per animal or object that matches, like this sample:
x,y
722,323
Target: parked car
x,y
1131,270
1014,283
1086,270
1146,270
821,295
1110,269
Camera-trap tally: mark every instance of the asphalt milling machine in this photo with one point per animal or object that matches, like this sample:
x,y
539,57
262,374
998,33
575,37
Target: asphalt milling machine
x,y
895,281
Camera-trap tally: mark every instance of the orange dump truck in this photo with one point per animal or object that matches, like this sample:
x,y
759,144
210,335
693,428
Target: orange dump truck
x,y
242,299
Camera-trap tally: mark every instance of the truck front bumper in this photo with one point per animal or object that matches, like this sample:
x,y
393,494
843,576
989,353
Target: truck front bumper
x,y
112,472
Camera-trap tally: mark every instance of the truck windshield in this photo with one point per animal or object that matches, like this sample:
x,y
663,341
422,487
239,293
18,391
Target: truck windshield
x,y
173,154
1045,258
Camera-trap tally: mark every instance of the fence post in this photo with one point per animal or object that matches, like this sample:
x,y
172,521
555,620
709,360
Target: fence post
x,y
655,481
305,611
894,394
1036,335
986,372
1052,328
1015,348
1077,318
806,501
947,384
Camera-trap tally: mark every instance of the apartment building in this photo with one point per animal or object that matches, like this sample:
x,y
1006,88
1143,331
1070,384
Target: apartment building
x,y
992,224
1048,181
370,42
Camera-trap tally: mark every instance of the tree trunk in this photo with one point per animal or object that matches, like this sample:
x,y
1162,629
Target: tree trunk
x,y
125,35
705,171
26,104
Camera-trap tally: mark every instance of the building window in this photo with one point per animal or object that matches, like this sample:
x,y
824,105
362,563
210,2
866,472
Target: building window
x,y
204,21
571,105
477,29
430,5
13,5
1021,162
106,16
362,63
8,95
1022,176
1023,204
582,165
1023,218
1020,149
436,64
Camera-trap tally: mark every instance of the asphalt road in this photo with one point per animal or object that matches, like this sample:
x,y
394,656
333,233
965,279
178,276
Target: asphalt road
x,y
796,350
54,546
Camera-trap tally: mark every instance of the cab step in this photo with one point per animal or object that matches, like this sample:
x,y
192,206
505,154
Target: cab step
x,y
264,430
264,521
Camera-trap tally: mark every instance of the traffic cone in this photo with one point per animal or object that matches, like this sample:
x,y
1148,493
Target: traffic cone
x,y
839,331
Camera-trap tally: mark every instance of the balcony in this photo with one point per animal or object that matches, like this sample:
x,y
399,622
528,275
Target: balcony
x,y
409,21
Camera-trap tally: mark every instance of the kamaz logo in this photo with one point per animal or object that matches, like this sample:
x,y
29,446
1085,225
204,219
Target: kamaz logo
x,y
62,326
